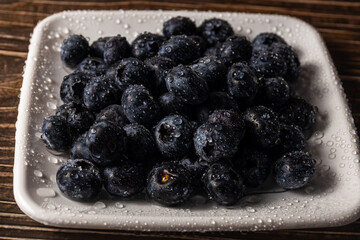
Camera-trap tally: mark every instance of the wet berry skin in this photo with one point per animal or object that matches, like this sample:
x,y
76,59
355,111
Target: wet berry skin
x,y
116,48
139,106
223,184
214,142
268,64
214,50
73,50
106,142
185,84
230,119
274,92
215,30
242,84
79,180
181,49
262,126
56,133
179,26
79,149
97,47
264,41
173,136
124,180
92,66
170,104
146,45
169,183
113,113
72,87
101,92
253,165
235,49
201,41
294,170
196,167
141,143
291,139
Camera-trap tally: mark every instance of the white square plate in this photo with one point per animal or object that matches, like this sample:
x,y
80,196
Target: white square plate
x,y
332,199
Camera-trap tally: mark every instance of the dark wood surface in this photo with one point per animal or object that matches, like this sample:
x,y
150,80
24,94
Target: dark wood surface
x,y
337,21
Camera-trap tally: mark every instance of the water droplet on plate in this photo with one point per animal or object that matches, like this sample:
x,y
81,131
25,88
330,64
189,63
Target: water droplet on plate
x,y
38,173
45,192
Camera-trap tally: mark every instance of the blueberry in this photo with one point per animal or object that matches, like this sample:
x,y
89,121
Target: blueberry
x,y
92,66
216,101
235,49
72,87
113,113
169,183
131,71
262,126
179,26
79,149
56,133
264,40
196,167
294,170
214,50
230,119
73,50
201,41
139,106
299,112
78,117
106,142
215,30
268,64
79,180
160,66
253,165
215,141
124,180
185,84
97,47
274,92
242,84
213,70
116,48
223,184
173,136
101,92
181,49
141,143
291,139
170,104
146,45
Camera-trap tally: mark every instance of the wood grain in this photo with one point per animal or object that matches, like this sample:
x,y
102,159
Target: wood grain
x,y
337,21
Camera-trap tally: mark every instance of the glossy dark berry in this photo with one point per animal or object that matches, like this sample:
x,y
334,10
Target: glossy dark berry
x,y
116,48
141,143
196,167
201,41
78,117
215,141
242,84
173,136
274,92
56,133
79,179
181,49
291,139
97,47
179,26
101,92
253,165
214,50
170,104
262,126
124,180
72,87
213,70
146,45
160,66
169,183
299,112
79,149
223,184
264,40
268,64
185,84
294,170
230,119
216,101
73,50
139,106
93,66
113,113
107,143
215,30
235,49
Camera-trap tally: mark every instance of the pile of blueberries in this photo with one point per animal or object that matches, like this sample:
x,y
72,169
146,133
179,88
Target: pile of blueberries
x,y
197,110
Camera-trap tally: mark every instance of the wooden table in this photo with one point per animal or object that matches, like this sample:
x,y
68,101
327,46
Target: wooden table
x,y
337,21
